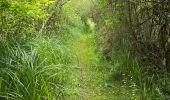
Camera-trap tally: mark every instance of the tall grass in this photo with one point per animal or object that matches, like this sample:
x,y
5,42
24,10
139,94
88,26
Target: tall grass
x,y
136,82
37,70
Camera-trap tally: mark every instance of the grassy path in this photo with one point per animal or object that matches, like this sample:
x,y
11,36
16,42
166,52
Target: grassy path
x,y
80,64
93,79
90,81
80,52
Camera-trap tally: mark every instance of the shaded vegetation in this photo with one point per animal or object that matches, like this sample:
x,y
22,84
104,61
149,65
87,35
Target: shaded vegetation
x,y
84,50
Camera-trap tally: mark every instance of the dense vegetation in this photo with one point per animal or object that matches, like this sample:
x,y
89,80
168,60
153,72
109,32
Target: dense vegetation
x,y
84,49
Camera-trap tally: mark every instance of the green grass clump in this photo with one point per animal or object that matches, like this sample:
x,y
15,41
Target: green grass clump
x,y
37,70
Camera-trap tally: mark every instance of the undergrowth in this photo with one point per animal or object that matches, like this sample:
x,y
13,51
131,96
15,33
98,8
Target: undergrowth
x,y
126,71
40,69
